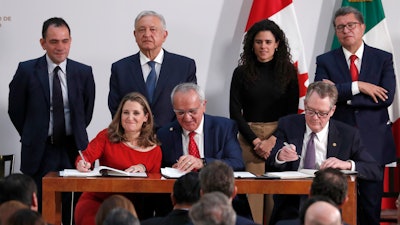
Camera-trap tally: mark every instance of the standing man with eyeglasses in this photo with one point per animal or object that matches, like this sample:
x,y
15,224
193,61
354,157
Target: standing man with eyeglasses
x,y
153,71
315,141
365,79
195,139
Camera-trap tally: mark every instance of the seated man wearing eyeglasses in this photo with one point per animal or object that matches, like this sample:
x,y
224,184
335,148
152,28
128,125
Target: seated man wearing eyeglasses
x,y
315,141
195,138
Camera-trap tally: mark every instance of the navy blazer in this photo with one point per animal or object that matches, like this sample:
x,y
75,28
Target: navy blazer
x,y
29,107
220,142
343,143
127,76
371,118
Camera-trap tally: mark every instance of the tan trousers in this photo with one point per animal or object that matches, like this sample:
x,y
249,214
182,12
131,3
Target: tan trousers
x,y
260,206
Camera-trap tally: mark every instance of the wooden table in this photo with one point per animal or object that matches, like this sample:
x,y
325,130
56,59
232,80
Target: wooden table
x,y
53,185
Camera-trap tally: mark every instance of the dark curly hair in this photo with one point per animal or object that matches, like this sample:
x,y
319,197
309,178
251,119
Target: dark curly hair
x,y
284,68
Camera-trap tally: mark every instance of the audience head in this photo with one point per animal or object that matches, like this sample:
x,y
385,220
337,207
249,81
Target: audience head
x,y
133,105
213,209
150,32
20,187
114,201
331,183
319,104
25,217
218,176
8,208
348,21
120,216
186,189
320,210
56,39
189,103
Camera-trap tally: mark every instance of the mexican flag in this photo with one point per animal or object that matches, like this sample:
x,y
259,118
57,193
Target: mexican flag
x,y
377,35
282,13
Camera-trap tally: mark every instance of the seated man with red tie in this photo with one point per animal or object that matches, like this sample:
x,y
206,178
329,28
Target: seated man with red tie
x,y
314,141
195,138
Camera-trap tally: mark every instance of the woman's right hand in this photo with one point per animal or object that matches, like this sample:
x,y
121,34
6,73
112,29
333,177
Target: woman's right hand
x,y
83,166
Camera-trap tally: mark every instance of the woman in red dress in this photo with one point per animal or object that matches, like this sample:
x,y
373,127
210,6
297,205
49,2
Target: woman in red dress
x,y
127,144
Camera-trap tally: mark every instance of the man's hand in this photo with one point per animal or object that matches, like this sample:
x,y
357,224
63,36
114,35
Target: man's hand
x,y
188,163
373,90
336,163
288,153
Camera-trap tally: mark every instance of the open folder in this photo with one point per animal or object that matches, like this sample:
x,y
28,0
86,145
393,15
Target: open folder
x,y
100,171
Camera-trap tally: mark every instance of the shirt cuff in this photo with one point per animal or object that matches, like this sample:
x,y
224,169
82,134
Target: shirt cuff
x,y
353,165
354,88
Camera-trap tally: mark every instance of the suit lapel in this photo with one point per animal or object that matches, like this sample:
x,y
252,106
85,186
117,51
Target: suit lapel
x,y
208,139
43,76
71,85
177,139
333,141
163,76
341,63
135,75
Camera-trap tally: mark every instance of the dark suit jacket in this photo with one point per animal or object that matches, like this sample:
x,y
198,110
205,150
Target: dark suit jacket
x,y
343,143
220,142
240,220
371,118
127,76
29,107
175,217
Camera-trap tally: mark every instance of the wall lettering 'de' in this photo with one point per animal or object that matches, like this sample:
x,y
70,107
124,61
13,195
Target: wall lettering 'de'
x,y
4,19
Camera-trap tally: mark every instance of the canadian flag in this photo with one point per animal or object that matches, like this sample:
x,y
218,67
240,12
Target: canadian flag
x,y
282,13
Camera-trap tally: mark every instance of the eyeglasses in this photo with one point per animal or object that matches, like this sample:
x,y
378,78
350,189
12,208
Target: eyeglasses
x,y
311,113
349,26
190,112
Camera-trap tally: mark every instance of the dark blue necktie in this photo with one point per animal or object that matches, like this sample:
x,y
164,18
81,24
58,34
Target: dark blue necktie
x,y
151,80
309,160
58,110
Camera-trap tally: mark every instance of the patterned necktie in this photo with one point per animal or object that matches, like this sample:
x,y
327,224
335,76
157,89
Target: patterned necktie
x,y
309,160
353,68
151,80
58,110
193,150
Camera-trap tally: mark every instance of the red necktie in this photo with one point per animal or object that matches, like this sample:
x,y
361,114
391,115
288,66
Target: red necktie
x,y
353,68
193,150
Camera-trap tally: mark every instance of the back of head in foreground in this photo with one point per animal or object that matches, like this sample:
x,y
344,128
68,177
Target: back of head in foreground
x,y
186,190
320,210
218,176
112,202
213,209
20,187
120,216
25,217
331,183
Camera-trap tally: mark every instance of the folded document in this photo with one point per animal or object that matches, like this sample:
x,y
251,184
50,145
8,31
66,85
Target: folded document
x,y
100,171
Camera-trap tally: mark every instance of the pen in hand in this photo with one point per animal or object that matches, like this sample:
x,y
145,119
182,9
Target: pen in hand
x,y
83,158
286,144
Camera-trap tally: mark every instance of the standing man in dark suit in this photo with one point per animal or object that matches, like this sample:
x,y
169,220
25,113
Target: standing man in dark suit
x,y
133,72
215,137
326,142
32,107
364,100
